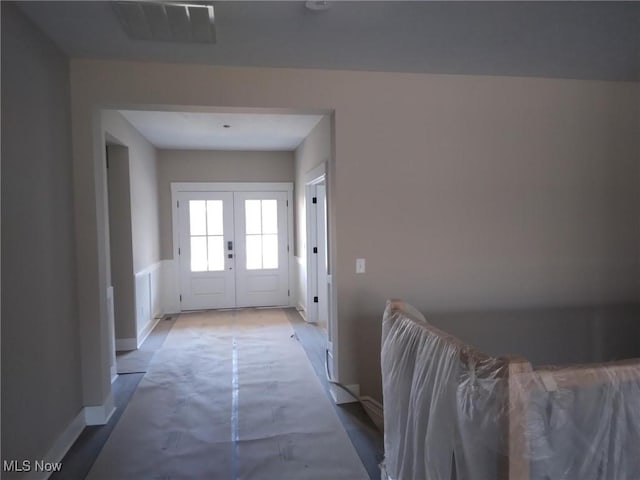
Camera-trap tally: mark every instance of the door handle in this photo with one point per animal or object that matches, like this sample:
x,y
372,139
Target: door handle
x,y
229,246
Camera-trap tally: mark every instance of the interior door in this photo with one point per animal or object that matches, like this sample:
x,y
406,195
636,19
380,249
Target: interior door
x,y
207,275
262,264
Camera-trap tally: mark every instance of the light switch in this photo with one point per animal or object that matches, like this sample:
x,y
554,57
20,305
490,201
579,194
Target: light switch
x,y
360,265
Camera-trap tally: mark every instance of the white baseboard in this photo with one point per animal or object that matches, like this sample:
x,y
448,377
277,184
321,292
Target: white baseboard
x,y
144,333
99,414
126,344
302,312
61,446
94,415
341,396
375,411
114,373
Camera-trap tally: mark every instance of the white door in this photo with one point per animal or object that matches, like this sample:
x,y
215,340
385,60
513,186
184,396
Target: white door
x,y
262,264
207,275
233,249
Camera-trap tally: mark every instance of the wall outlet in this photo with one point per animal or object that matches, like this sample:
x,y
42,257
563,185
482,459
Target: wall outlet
x,y
360,265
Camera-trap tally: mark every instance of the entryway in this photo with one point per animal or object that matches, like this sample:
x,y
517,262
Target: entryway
x,y
232,245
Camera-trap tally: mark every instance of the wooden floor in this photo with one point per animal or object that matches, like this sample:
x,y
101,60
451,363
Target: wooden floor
x,y
365,437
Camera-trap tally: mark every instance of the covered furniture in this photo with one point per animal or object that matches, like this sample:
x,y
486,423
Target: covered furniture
x,y
454,412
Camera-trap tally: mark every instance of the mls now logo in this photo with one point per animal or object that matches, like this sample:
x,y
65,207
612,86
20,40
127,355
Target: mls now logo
x,y
29,466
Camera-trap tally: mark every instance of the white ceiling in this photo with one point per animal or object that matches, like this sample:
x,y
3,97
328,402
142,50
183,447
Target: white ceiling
x,y
574,39
206,131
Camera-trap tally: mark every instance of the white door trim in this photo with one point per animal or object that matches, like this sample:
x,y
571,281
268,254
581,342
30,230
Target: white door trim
x,y
312,178
178,187
231,187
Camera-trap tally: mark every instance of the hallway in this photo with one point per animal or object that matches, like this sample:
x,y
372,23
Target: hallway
x,y
231,394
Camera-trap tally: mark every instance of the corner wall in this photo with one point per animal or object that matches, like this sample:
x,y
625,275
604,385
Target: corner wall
x,y
143,256
314,150
41,379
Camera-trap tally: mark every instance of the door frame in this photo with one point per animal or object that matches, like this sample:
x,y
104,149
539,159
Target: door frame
x,y
178,187
313,178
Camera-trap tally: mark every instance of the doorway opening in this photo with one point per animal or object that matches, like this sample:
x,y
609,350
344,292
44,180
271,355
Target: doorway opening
x,y
121,290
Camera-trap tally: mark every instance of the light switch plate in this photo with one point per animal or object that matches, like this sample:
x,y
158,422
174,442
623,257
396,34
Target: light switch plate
x,y
360,265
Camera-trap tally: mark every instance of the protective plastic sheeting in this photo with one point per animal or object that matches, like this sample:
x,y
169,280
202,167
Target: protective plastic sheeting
x,y
451,411
229,396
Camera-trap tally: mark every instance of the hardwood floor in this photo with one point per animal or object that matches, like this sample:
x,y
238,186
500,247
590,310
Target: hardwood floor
x,y
367,440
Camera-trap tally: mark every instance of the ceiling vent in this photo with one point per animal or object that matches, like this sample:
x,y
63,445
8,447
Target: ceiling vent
x,y
167,21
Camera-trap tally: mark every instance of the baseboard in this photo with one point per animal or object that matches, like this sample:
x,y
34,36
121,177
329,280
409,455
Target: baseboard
x,y
375,411
302,312
60,447
99,414
144,333
341,396
114,373
126,344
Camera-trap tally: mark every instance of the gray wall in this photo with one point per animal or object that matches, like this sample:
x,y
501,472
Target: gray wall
x,y
314,150
120,242
143,178
464,193
214,166
41,390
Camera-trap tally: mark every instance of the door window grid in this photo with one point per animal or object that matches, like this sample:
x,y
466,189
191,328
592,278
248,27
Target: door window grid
x,y
206,234
261,234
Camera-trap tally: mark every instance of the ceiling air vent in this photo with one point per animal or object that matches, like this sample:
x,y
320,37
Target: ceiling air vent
x,y
167,21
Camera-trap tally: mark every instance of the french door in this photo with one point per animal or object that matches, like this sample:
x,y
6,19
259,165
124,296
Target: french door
x,y
233,249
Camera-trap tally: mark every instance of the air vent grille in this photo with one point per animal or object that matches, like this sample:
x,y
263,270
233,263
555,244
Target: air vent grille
x,y
167,21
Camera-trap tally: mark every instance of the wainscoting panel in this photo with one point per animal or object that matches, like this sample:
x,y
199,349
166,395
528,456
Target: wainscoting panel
x,y
148,286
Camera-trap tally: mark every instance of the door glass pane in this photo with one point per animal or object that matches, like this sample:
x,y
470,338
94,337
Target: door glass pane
x,y
216,253
269,251
197,217
254,252
198,254
214,217
252,217
269,216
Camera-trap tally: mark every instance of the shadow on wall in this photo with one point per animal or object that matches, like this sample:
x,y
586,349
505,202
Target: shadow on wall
x,y
543,336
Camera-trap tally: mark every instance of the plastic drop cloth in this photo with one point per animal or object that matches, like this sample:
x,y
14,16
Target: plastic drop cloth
x,y
451,412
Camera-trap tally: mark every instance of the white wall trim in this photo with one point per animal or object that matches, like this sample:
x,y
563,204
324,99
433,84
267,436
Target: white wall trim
x,y
112,333
341,396
61,445
293,285
148,328
149,269
312,178
230,187
99,414
313,175
148,299
126,344
375,410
